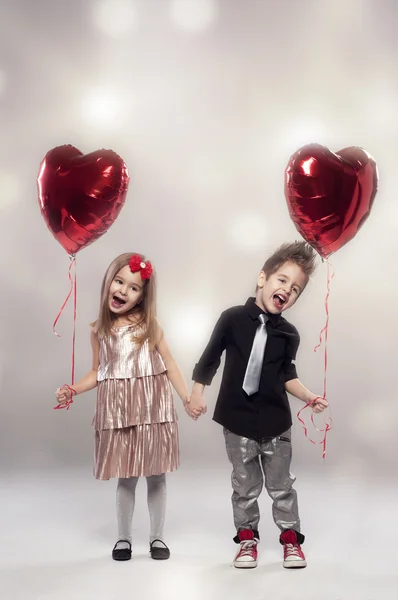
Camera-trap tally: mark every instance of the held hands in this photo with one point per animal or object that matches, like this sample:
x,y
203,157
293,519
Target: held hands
x,y
195,406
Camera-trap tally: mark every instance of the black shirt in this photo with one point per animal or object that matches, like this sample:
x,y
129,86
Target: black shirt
x,y
267,412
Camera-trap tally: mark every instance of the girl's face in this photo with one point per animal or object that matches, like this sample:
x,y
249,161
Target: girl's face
x,y
125,291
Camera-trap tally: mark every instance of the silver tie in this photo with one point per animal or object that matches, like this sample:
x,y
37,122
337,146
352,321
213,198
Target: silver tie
x,y
251,381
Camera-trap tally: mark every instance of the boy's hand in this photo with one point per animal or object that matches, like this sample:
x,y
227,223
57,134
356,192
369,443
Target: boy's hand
x,y
197,405
193,412
319,404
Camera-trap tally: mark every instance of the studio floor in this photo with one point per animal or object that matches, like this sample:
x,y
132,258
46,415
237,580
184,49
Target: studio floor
x,y
58,529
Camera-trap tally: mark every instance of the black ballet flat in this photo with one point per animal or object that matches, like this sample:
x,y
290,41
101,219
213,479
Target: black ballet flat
x,y
159,553
121,553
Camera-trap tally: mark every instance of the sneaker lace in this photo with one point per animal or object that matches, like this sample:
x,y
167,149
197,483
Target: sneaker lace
x,y
292,550
246,547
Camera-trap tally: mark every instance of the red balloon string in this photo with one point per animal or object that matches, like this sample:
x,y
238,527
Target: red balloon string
x,y
323,336
74,324
69,401
72,290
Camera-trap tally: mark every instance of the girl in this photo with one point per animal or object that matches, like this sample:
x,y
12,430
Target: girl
x,y
135,422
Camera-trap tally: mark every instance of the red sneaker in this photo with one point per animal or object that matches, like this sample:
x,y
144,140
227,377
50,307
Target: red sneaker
x,y
293,556
246,557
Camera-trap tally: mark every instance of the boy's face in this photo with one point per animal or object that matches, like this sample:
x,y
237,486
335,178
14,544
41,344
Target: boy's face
x,y
281,290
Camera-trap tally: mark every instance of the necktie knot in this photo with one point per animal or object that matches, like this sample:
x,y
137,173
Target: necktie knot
x,y
263,318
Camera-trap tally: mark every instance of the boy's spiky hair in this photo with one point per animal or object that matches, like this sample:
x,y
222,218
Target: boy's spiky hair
x,y
300,253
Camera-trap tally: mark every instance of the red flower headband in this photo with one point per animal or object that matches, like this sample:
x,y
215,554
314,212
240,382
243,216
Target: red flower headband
x,y
137,264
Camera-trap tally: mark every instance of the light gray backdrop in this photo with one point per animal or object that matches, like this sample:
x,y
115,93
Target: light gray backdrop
x,y
205,100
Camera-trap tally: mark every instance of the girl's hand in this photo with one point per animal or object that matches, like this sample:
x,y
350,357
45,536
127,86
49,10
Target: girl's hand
x,y
194,414
63,395
196,406
191,412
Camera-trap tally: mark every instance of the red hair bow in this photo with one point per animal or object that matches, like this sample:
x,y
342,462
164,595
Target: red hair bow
x,y
137,264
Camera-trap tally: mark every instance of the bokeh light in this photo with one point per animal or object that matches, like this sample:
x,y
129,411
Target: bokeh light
x,y
191,325
248,232
101,107
193,15
115,17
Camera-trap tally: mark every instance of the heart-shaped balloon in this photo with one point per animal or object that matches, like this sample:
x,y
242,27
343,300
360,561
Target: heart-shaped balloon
x,y
330,195
81,195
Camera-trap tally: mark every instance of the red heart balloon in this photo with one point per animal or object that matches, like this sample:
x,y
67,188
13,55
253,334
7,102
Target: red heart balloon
x,y
81,195
329,195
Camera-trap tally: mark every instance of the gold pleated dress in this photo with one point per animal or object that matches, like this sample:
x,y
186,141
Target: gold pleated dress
x,y
135,422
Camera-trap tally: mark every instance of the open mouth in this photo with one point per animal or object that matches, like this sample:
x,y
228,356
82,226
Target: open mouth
x,y
117,302
279,300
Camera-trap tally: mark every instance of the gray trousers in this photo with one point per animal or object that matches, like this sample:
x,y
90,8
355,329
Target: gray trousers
x,y
258,463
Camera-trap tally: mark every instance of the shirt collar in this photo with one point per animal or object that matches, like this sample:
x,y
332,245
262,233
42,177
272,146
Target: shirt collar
x,y
255,311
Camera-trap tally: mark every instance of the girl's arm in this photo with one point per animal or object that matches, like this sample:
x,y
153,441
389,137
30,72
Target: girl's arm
x,y
89,381
173,371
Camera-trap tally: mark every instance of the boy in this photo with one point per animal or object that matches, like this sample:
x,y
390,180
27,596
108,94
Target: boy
x,y
252,404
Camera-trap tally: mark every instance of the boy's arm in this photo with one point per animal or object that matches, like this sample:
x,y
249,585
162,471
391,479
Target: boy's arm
x,y
209,362
292,346
298,390
293,384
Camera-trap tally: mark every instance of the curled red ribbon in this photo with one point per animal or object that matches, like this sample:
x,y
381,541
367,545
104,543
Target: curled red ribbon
x,y
72,290
323,334
68,402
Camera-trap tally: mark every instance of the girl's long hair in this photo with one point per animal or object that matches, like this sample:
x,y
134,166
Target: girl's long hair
x,y
143,314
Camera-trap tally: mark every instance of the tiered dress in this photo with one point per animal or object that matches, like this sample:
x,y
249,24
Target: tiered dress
x,y
135,422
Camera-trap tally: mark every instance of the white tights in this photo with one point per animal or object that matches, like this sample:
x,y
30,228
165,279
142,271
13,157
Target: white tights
x,y
125,502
